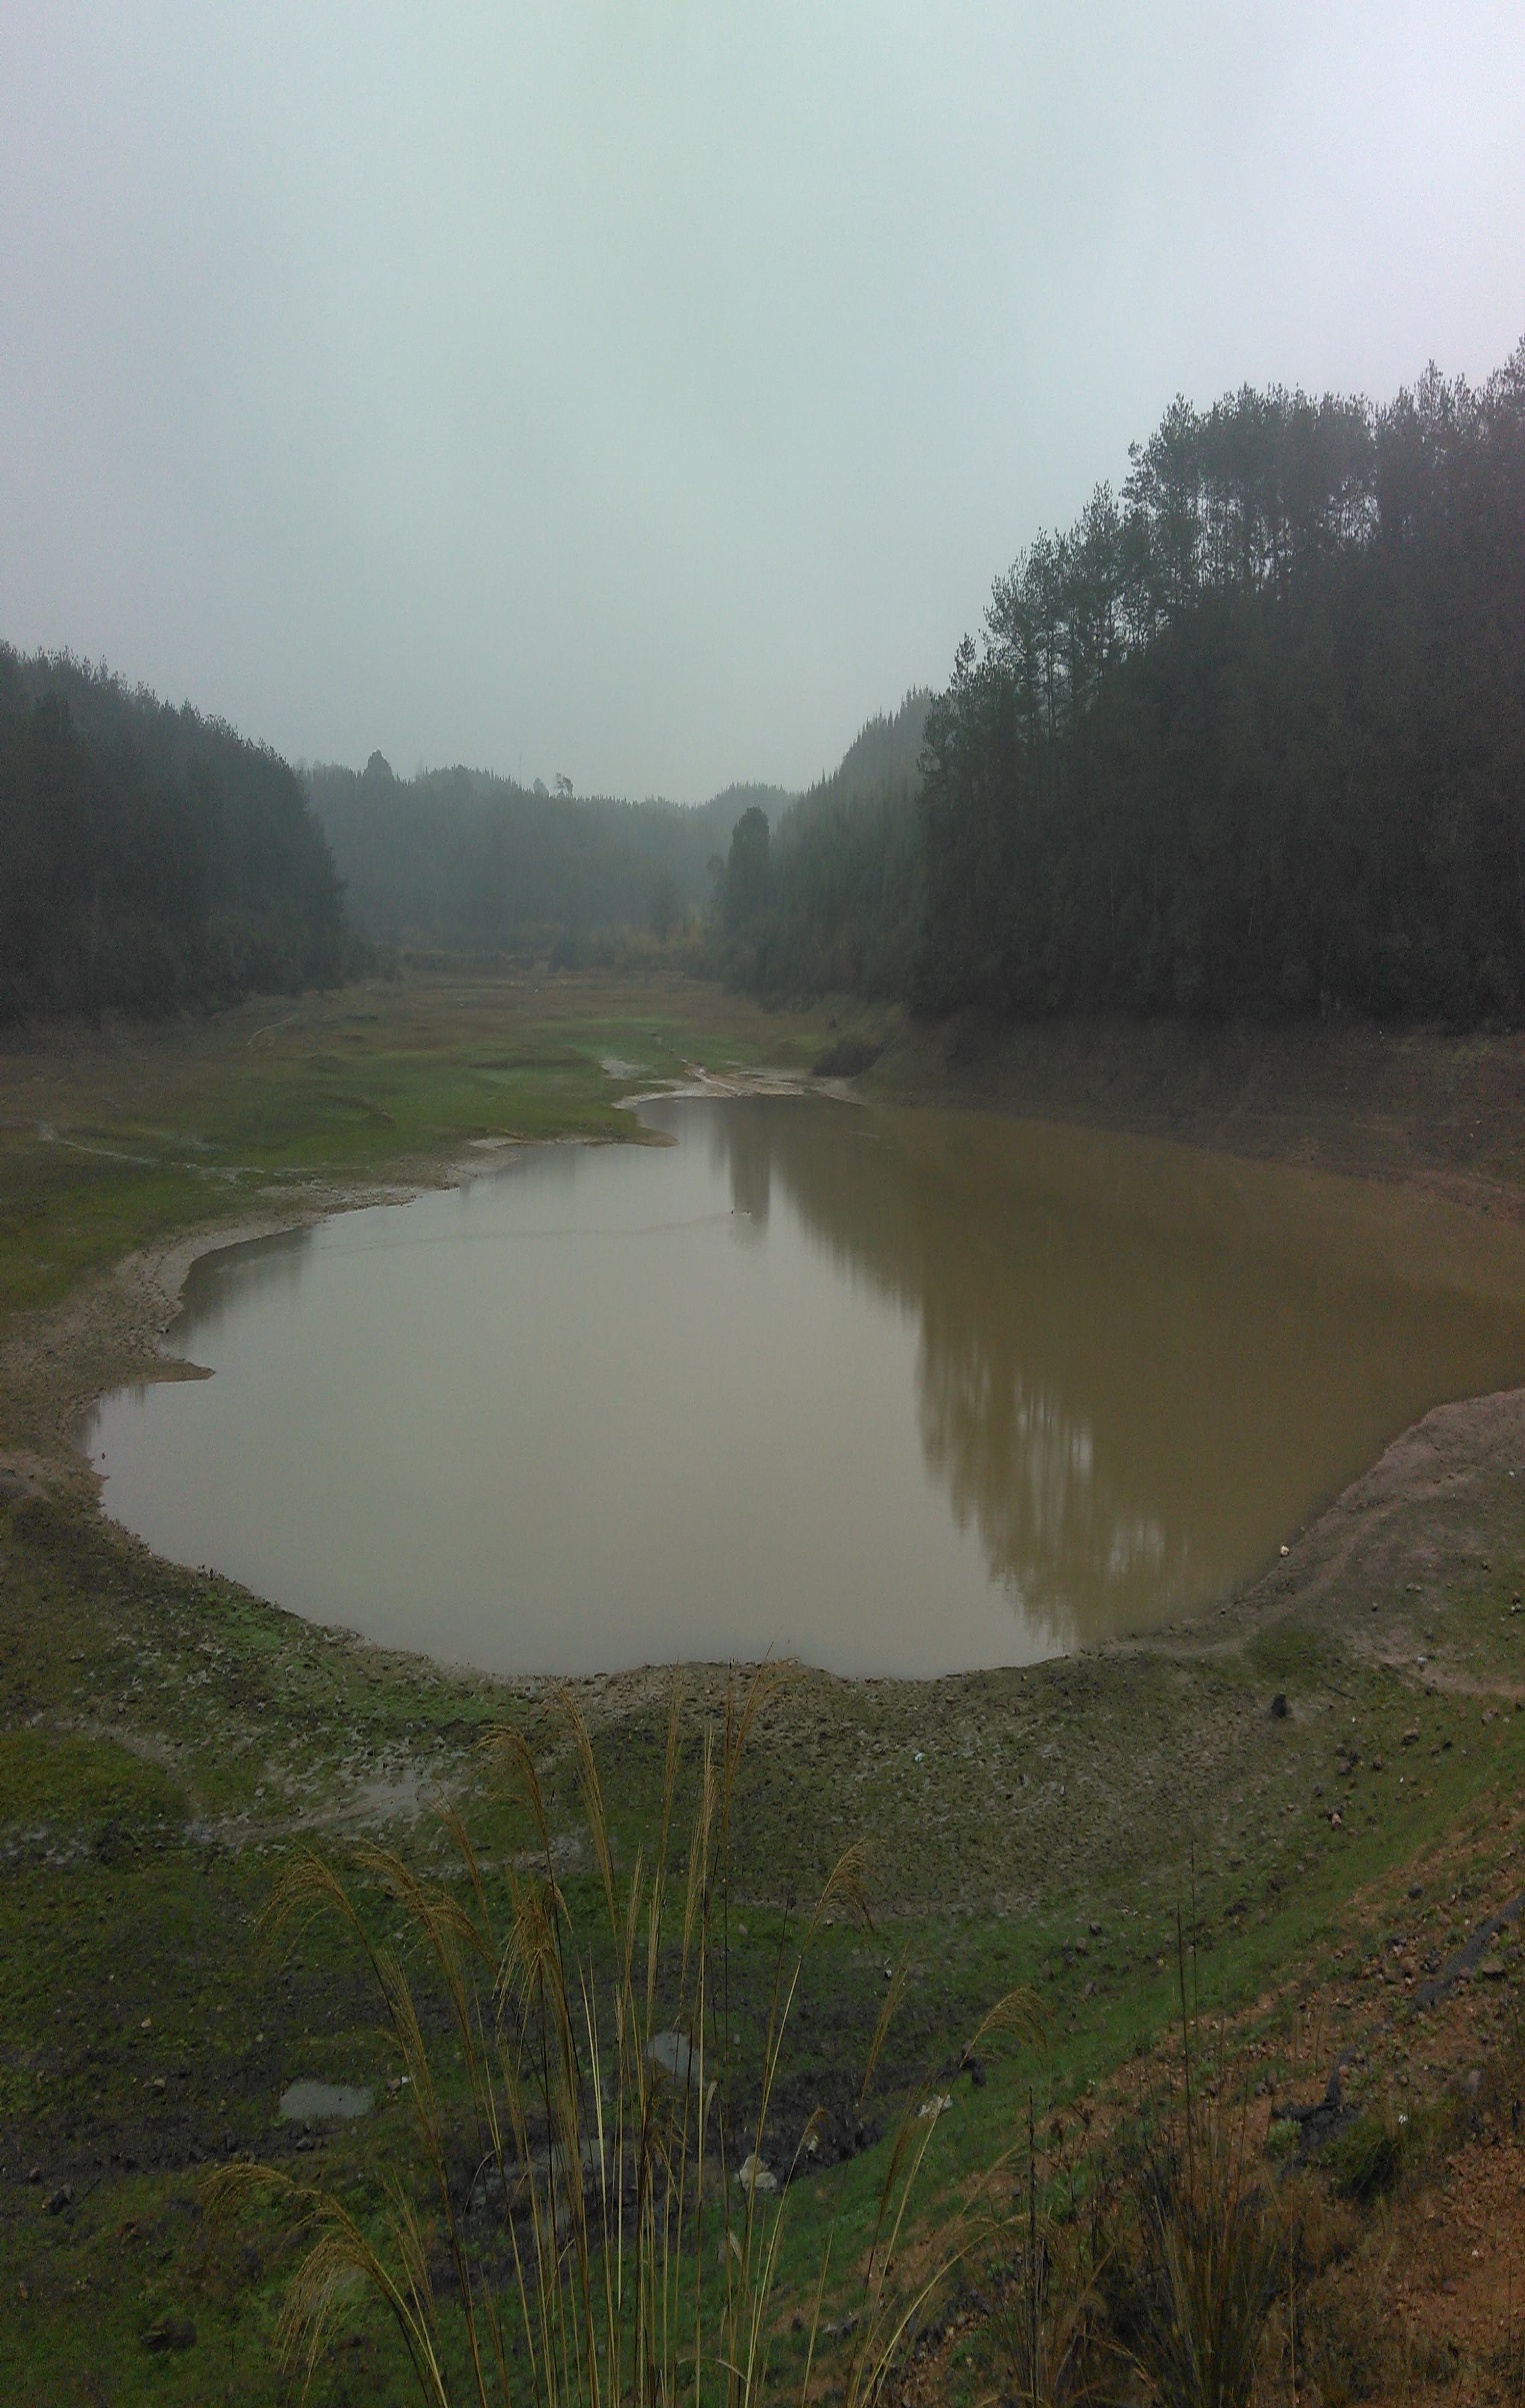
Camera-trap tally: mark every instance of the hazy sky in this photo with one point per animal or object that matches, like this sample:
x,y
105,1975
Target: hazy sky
x,y
651,392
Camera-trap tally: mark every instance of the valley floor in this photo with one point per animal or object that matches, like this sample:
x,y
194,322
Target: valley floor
x,y
167,1738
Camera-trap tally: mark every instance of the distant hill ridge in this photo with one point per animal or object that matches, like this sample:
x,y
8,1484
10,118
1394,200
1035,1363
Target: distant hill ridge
x,y
464,857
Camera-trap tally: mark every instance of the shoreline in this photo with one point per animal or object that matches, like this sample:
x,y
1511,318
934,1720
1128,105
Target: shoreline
x,y
57,1362
109,1333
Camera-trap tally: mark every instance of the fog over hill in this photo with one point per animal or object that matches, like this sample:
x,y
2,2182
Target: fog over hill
x,y
467,858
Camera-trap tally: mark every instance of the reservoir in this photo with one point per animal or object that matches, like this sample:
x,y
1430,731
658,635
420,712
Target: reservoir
x,y
893,1391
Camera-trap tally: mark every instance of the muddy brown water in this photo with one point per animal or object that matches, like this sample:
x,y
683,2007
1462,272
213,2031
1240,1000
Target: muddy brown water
x,y
897,1391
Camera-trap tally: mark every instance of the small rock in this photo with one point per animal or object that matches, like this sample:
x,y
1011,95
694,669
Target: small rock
x,y
61,2198
147,2023
36,2174
757,2177
674,2055
1336,1818
1409,1737
170,2332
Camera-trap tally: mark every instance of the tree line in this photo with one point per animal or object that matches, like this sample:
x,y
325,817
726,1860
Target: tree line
x,y
150,858
1248,736
462,859
836,901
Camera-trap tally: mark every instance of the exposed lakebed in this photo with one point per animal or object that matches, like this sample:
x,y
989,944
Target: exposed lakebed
x,y
898,1392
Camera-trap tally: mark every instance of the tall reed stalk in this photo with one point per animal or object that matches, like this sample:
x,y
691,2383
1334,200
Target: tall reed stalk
x,y
619,2239
1212,2237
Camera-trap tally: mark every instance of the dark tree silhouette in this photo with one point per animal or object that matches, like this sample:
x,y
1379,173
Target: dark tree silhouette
x,y
747,872
148,857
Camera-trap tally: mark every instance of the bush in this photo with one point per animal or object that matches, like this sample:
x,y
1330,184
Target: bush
x,y
1368,2158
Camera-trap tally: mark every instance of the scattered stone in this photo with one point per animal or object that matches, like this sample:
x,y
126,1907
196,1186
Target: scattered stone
x,y
1462,1966
757,2177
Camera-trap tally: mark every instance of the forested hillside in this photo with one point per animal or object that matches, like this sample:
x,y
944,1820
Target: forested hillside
x,y
835,898
459,858
1249,737
148,857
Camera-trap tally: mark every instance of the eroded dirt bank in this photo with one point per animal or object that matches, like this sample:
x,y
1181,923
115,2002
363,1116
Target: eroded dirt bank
x,y
1414,1105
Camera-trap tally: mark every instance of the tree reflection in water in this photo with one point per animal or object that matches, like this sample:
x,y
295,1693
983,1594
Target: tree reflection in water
x,y
1132,1355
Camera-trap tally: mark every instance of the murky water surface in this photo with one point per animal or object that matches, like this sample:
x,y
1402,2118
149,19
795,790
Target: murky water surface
x,y
897,1391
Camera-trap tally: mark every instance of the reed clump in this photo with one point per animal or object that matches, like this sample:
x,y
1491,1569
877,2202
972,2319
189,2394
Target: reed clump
x,y
1051,2320
617,2240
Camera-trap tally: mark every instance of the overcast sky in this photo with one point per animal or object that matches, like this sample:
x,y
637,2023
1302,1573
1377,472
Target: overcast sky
x,y
651,392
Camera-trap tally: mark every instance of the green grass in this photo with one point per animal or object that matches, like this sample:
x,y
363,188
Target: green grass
x,y
152,1132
